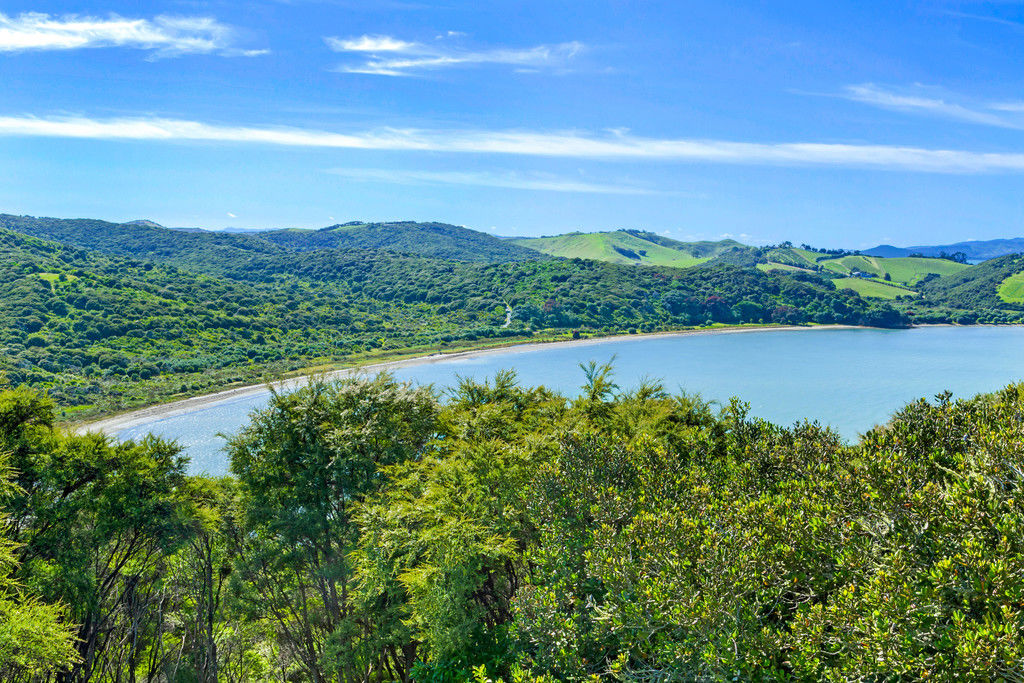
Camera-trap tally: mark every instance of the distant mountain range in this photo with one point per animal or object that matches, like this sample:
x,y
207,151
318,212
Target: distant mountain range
x,y
976,250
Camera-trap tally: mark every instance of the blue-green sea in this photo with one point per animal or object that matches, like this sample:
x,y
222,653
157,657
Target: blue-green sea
x,y
850,379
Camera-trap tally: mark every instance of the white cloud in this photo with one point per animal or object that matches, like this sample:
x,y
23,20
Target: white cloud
x,y
1014,107
921,99
231,215
369,44
515,181
388,56
165,35
571,144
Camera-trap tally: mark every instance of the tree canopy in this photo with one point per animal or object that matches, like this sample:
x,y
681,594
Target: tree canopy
x,y
377,531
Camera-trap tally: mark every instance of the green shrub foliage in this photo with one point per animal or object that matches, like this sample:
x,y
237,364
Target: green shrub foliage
x,y
375,531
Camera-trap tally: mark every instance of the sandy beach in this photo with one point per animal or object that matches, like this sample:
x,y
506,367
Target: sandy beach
x,y
117,423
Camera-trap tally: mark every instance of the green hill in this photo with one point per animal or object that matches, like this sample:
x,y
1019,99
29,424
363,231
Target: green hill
x,y
216,250
988,285
104,332
873,289
1011,290
632,247
793,256
784,267
892,277
220,252
905,270
435,240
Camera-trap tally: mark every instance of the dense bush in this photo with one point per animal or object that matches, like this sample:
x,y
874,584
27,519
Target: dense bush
x,y
373,532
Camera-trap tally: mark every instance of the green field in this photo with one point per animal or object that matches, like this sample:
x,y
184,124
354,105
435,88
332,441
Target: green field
x,y
613,247
1011,290
771,265
793,256
872,289
906,270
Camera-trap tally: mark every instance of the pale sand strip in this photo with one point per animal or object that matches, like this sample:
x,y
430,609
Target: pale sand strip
x,y
118,423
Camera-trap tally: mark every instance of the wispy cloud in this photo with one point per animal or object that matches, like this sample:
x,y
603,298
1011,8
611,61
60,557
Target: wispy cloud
x,y
931,101
516,181
614,146
389,56
985,18
165,35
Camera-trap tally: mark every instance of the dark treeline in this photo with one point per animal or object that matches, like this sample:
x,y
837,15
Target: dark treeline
x,y
372,531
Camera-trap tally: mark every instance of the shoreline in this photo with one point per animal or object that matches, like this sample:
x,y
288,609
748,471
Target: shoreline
x,y
113,424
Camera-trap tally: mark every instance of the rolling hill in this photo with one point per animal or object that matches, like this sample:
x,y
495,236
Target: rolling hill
x,y
169,313
873,289
434,240
870,276
627,247
220,252
989,285
903,270
793,256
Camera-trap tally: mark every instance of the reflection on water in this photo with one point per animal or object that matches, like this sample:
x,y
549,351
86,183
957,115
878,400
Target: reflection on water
x,y
849,379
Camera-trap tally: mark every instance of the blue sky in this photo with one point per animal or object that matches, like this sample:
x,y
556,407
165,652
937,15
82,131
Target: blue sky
x,y
838,124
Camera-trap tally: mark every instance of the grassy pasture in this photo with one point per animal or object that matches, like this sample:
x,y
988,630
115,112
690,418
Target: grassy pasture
x,y
793,256
1011,290
770,266
606,246
872,289
907,270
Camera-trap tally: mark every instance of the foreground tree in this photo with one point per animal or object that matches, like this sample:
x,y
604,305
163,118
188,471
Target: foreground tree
x,y
94,523
441,548
35,638
303,466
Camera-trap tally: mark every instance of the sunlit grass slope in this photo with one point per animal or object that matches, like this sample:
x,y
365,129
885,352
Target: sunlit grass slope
x,y
907,270
793,256
1011,290
785,267
626,248
872,289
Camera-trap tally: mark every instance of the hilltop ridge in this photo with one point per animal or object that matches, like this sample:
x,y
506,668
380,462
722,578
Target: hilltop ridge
x,y
975,250
632,247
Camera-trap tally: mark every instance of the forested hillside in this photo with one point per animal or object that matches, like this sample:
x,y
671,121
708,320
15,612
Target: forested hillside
x,y
115,315
435,240
204,250
372,532
102,332
977,288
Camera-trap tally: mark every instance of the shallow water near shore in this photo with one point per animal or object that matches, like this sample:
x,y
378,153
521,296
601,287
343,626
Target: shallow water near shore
x,y
850,379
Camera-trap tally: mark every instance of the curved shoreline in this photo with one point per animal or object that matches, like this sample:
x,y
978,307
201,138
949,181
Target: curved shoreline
x,y
117,423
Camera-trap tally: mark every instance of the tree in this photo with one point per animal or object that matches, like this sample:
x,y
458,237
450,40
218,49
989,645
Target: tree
x,y
93,523
440,550
36,639
303,465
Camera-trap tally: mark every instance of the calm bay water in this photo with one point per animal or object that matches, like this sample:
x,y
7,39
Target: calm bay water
x,y
849,379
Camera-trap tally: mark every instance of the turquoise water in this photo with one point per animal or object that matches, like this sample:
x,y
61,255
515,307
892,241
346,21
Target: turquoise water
x,y
849,379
